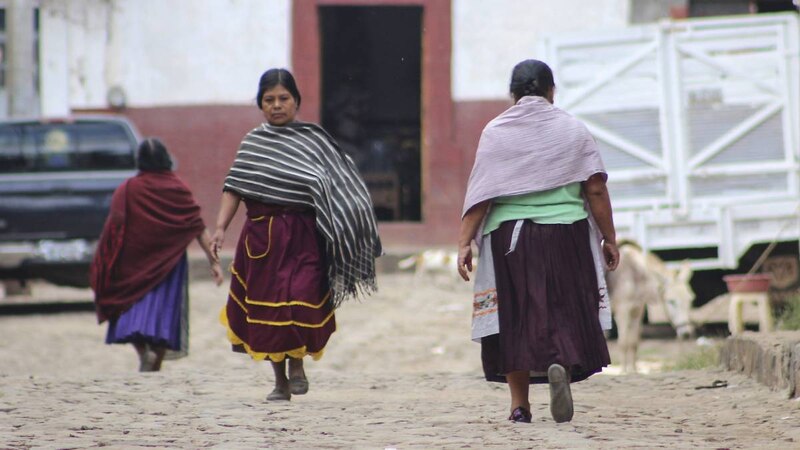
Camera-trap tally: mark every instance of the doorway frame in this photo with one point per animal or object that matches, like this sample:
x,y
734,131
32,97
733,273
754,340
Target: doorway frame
x,y
436,116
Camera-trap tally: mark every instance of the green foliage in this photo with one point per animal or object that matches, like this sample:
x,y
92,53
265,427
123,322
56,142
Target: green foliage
x,y
703,357
789,316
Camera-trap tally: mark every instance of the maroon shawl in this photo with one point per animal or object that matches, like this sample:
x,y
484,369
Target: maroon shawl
x,y
153,218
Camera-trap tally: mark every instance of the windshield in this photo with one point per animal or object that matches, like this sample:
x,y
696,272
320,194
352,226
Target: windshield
x,y
48,147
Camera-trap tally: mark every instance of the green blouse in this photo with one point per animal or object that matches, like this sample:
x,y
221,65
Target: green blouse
x,y
560,205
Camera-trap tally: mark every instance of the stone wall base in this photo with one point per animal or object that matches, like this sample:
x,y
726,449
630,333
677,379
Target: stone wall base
x,y
771,358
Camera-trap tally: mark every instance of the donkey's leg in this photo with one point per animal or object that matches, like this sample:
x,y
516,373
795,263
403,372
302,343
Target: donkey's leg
x,y
637,315
623,317
630,343
630,333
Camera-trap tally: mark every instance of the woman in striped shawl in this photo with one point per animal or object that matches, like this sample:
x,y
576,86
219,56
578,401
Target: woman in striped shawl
x,y
535,197
309,242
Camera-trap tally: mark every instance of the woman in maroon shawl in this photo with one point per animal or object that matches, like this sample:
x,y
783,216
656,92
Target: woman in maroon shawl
x,y
139,273
537,199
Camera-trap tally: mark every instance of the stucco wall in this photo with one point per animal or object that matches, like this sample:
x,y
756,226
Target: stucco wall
x,y
177,52
490,37
189,69
186,52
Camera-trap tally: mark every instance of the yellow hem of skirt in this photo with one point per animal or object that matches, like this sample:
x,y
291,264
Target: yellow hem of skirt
x,y
297,353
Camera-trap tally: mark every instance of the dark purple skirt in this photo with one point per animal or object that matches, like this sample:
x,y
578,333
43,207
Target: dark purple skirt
x,y
160,318
548,304
278,304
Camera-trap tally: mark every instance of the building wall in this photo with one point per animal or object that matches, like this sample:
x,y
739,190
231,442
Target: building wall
x,y
189,71
488,41
179,52
186,52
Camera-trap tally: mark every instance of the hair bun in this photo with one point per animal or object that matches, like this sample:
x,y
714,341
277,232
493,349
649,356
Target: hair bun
x,y
531,77
531,88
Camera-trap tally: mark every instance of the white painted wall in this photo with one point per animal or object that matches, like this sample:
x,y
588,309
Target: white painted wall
x,y
489,38
53,64
160,52
191,52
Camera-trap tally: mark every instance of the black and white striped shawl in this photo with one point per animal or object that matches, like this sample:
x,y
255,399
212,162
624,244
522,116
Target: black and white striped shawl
x,y
301,165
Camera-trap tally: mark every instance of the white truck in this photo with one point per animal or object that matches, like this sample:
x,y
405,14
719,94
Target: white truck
x,y
697,121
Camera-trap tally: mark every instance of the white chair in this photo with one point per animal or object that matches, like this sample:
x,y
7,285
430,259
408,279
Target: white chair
x,y
738,299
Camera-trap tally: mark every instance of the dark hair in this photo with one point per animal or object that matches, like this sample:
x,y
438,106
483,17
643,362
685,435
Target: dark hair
x,y
275,77
152,156
531,77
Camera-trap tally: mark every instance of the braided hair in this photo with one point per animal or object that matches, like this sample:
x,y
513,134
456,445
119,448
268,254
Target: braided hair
x,y
152,156
531,77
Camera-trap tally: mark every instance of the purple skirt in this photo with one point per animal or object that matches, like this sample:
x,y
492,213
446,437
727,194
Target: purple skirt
x,y
548,304
160,318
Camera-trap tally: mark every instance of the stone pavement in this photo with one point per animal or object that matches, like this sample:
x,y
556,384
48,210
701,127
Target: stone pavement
x,y
400,373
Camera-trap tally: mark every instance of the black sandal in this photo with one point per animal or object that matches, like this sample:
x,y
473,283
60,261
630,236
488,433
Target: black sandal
x,y
298,385
279,395
560,394
520,414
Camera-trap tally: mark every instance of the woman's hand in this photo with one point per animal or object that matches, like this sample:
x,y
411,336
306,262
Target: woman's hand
x,y
216,273
610,254
211,248
469,226
227,208
596,194
465,261
217,239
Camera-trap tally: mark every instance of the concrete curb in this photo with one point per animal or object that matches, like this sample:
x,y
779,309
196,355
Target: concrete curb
x,y
773,359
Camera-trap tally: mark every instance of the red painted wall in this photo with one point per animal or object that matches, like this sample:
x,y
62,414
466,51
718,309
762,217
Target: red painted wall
x,y
442,176
204,139
470,118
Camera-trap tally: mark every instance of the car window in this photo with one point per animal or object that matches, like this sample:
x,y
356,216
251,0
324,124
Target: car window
x,y
84,145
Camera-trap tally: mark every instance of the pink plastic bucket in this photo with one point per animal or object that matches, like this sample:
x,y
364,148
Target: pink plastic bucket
x,y
758,282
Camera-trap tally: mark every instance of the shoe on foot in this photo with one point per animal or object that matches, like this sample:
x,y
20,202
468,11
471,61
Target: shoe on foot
x,y
279,395
520,414
560,394
147,363
298,385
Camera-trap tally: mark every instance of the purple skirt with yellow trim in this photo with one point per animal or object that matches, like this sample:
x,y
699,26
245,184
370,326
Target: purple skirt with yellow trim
x,y
278,302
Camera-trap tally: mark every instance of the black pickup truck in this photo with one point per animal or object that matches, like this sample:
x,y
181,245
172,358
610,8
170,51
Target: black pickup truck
x,y
56,182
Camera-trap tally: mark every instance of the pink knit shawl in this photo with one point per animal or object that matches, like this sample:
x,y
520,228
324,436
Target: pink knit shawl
x,y
532,146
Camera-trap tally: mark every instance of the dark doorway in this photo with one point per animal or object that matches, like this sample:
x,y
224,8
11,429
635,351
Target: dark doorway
x,y
371,90
706,8
769,6
701,8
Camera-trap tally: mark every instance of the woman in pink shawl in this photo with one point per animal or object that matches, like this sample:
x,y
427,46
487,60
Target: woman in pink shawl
x,y
537,204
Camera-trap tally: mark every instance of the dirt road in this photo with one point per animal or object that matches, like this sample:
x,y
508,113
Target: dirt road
x,y
400,373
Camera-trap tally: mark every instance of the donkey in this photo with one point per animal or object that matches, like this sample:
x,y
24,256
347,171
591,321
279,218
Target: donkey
x,y
643,279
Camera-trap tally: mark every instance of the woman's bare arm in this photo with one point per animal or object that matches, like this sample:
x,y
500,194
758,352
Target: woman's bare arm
x,y
596,193
469,226
227,209
204,239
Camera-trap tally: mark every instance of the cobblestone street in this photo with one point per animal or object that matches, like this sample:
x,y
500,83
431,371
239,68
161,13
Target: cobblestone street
x,y
400,373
